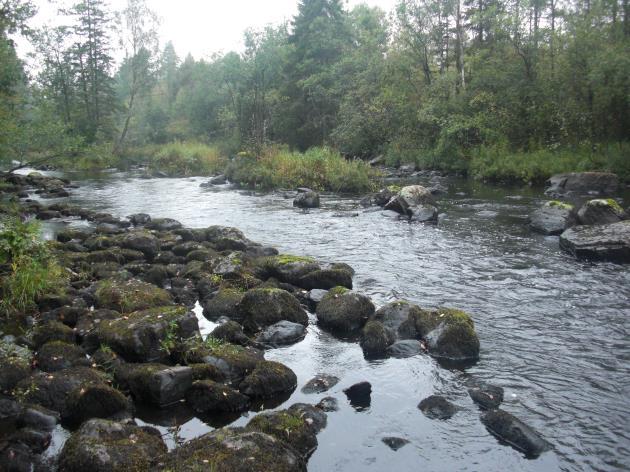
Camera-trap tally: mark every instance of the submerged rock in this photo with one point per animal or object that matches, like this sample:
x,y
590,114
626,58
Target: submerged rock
x,y
553,218
600,212
448,333
308,199
268,379
488,397
328,404
603,183
360,395
100,445
405,348
282,333
207,396
436,407
343,311
320,383
609,242
514,432
263,307
395,443
235,450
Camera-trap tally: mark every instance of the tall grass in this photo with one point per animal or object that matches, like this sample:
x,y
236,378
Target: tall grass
x,y
500,165
319,168
187,158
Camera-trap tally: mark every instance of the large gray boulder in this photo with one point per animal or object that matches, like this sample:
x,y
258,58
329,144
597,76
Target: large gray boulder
x,y
553,218
603,183
609,242
263,307
414,202
600,212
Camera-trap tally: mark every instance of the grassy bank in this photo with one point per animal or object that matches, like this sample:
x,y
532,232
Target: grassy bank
x,y
317,168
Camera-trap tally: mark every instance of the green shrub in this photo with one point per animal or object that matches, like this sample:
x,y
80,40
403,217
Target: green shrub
x,y
319,168
30,270
187,158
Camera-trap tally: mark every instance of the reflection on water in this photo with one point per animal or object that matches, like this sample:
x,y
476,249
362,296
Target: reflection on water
x,y
554,332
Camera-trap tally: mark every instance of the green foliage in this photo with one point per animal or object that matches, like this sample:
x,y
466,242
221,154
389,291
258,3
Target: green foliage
x,y
187,158
32,273
317,168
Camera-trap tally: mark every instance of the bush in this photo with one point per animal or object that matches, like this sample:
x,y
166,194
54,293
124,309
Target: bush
x,y
187,158
29,271
319,168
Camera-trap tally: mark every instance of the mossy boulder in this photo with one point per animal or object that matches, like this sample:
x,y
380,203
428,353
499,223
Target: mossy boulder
x,y
59,355
268,379
143,241
398,316
448,333
234,362
148,335
163,224
282,333
95,401
52,331
235,450
286,268
224,238
231,332
156,384
128,296
224,303
376,338
600,212
552,218
289,427
184,248
207,396
206,372
326,279
263,307
107,446
343,311
15,365
116,255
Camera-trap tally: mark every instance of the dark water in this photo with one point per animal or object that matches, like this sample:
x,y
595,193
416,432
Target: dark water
x,y
555,333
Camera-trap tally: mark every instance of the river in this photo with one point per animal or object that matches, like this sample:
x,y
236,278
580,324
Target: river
x,y
554,332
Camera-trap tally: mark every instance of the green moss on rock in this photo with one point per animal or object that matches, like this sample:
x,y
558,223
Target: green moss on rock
x,y
129,296
449,333
268,379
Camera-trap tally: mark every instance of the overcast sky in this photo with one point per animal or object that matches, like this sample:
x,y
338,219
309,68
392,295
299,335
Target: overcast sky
x,y
203,27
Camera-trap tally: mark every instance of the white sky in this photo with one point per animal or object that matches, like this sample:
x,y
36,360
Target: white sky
x,y
204,27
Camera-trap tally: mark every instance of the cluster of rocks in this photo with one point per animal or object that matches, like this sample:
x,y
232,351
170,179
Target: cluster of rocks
x,y
44,187
589,228
413,202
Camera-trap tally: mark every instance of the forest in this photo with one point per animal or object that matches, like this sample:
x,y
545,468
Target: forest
x,y
503,90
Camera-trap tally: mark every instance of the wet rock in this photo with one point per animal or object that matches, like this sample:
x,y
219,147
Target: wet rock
x,y
488,397
514,432
375,339
39,419
114,254
423,213
308,199
224,238
157,384
218,180
10,413
326,279
15,364
328,404
48,215
314,297
320,383
297,426
600,212
207,372
163,224
86,331
234,362
147,336
130,295
235,450
553,218
156,275
224,303
95,401
18,457
141,241
395,443
101,445
68,315
183,291
52,331
207,396
436,407
228,266
344,311
282,333
267,380
264,307
58,355
71,234
448,333
187,247
601,242
383,196
405,348
231,332
603,183
399,205
359,395
286,268
139,219
398,316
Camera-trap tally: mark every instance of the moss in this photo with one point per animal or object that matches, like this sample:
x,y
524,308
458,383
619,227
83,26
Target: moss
x,y
283,259
338,290
394,188
456,340
130,296
559,204
268,379
614,205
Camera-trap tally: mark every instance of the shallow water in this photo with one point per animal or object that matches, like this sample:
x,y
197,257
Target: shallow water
x,y
554,332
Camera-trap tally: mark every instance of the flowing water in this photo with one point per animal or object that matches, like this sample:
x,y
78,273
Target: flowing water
x,y
555,332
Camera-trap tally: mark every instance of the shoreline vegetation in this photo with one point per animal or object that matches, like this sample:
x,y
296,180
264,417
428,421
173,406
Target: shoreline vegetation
x,y
325,169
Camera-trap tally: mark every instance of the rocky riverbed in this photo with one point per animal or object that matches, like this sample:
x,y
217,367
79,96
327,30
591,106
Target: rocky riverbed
x,y
143,275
